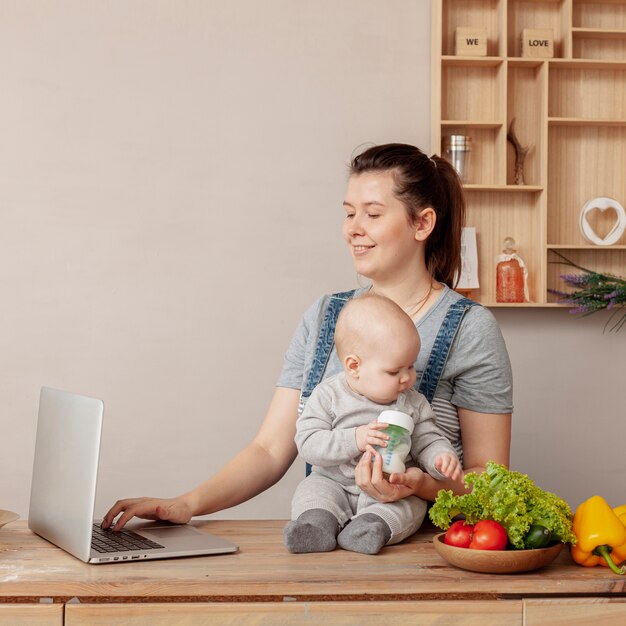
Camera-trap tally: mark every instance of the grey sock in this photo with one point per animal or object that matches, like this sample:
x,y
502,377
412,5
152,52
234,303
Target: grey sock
x,y
367,534
314,531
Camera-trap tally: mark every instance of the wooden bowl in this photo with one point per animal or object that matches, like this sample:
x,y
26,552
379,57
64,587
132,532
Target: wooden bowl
x,y
496,561
7,517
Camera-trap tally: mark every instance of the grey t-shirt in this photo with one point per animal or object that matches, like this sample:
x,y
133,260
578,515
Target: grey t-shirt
x,y
477,375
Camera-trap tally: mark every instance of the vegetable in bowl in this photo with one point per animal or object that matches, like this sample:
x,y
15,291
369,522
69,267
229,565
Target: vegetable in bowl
x,y
512,499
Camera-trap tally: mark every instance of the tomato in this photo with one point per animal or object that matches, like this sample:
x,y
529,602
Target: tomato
x,y
459,534
489,535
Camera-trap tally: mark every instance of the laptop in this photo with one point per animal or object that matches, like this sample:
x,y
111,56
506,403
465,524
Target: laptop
x,y
63,492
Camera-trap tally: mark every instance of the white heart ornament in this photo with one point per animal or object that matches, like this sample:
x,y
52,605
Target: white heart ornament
x,y
618,228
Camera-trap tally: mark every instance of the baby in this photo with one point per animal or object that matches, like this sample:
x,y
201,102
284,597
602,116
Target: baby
x,y
377,344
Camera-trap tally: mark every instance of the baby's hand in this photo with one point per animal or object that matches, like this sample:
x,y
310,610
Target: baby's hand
x,y
370,434
449,465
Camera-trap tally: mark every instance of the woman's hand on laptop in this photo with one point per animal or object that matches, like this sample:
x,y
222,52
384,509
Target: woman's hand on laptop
x,y
174,510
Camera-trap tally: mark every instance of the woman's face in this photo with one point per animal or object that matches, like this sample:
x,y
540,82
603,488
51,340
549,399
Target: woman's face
x,y
377,229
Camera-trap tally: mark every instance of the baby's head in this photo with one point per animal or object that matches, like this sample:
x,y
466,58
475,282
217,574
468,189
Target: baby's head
x,y
377,343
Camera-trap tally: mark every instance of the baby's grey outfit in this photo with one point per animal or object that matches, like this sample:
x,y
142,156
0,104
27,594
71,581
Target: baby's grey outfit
x,y
326,438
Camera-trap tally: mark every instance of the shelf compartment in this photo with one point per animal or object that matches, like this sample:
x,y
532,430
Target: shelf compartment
x,y
584,162
601,48
486,162
536,14
598,14
473,14
609,261
525,103
497,215
472,93
593,93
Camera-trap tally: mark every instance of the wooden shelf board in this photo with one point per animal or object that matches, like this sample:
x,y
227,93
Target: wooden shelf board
x,y
472,123
590,64
523,305
600,1
599,33
461,61
587,246
572,63
524,62
504,188
579,121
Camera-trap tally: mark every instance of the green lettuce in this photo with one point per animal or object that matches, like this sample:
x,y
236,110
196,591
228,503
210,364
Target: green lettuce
x,y
510,498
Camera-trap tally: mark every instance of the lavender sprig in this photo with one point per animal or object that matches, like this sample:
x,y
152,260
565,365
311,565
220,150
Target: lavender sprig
x,y
594,291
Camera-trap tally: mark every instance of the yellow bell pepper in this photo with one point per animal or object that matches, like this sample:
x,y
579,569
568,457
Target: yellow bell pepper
x,y
620,511
600,535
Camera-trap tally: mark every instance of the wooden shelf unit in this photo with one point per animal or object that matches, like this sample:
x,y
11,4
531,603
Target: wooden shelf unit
x,y
570,108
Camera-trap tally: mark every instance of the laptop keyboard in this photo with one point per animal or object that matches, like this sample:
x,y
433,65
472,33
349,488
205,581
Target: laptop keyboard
x,y
121,541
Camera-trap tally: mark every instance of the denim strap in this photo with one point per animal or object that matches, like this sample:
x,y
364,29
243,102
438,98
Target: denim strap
x,y
323,348
325,341
441,347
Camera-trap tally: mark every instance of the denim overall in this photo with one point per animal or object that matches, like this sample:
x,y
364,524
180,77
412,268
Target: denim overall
x,y
436,362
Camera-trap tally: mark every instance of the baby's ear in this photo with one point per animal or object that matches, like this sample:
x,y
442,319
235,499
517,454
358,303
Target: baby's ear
x,y
352,365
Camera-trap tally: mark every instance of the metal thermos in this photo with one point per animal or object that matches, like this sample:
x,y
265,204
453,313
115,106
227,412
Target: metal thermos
x,y
457,149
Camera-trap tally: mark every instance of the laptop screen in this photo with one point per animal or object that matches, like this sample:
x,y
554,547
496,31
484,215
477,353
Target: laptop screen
x,y
65,468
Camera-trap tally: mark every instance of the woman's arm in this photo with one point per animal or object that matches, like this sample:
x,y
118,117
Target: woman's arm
x,y
485,436
257,467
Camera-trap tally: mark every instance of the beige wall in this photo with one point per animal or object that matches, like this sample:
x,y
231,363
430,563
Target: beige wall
x,y
171,177
171,183
569,394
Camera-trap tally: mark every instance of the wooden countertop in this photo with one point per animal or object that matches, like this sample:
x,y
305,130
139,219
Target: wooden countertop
x,y
263,570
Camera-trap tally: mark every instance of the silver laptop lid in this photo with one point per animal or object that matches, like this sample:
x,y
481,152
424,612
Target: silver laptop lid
x,y
67,450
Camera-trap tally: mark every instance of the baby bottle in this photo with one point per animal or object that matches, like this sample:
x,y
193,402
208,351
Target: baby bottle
x,y
399,442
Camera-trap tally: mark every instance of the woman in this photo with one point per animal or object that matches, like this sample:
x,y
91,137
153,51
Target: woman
x,y
404,215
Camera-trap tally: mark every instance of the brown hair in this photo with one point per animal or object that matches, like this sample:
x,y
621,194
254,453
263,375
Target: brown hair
x,y
420,182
